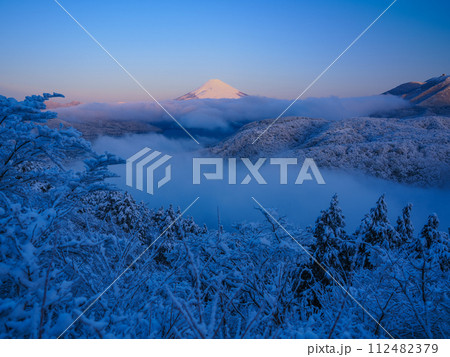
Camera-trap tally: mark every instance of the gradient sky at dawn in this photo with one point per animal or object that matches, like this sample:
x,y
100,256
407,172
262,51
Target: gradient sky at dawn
x,y
268,48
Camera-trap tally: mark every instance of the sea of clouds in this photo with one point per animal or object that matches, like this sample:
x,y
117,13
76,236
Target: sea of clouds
x,y
226,114
301,204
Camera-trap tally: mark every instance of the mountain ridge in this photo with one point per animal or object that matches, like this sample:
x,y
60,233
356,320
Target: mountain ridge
x,y
434,92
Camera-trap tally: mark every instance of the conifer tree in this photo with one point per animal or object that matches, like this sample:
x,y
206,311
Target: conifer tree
x,y
432,245
375,235
331,248
404,226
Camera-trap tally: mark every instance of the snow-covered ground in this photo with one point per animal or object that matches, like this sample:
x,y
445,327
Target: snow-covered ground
x,y
411,150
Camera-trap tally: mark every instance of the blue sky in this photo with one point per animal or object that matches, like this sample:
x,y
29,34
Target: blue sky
x,y
269,48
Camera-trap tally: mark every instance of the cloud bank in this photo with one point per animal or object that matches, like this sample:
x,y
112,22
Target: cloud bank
x,y
301,204
224,114
52,104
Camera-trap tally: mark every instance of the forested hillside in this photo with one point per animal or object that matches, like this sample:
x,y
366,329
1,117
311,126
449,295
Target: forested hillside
x,y
408,150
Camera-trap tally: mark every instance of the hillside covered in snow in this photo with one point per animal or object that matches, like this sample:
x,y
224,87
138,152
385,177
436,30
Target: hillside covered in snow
x,y
412,150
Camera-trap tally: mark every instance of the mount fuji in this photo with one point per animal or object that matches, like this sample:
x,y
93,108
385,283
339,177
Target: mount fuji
x,y
213,89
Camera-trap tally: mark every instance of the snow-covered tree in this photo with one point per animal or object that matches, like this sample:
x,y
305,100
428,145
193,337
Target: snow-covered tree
x,y
433,245
331,248
375,235
120,208
37,193
404,227
430,234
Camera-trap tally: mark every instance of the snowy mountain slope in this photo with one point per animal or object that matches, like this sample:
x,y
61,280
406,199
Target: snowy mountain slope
x,y
434,92
214,89
413,151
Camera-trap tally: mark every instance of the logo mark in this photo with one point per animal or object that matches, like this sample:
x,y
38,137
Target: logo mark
x,y
143,165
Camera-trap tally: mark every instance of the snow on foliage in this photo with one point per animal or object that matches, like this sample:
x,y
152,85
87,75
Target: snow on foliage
x,y
410,150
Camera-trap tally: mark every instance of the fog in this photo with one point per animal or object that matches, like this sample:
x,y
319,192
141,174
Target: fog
x,y
223,114
301,204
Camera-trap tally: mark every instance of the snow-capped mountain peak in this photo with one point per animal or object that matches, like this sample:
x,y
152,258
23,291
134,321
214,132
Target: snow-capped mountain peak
x,y
213,89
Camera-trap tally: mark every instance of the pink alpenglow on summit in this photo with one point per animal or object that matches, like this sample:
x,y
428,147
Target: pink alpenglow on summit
x,y
213,89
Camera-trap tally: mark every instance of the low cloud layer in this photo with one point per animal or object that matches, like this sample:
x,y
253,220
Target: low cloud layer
x,y
52,104
223,114
301,204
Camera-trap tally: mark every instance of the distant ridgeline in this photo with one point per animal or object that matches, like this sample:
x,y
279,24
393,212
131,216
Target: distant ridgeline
x,y
429,97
